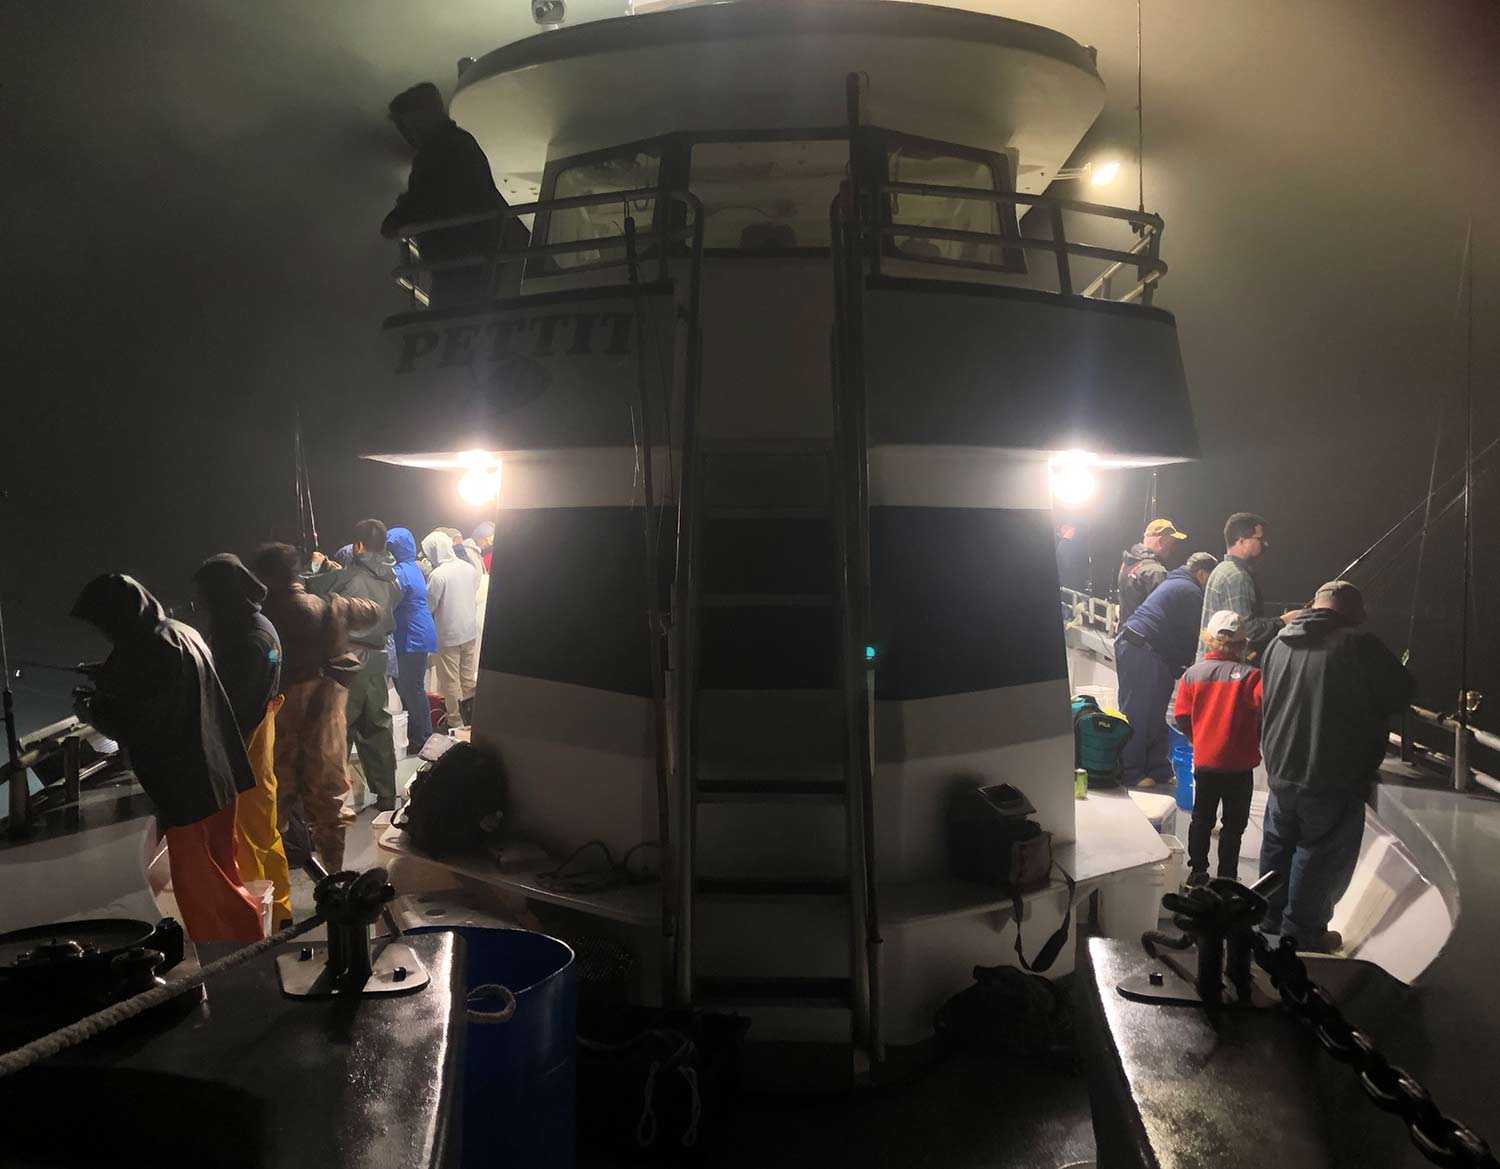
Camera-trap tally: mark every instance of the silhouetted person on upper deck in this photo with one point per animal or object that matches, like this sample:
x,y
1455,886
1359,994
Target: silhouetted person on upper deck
x,y
450,176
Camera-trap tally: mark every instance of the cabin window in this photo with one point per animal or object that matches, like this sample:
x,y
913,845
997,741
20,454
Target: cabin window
x,y
914,160
600,175
767,196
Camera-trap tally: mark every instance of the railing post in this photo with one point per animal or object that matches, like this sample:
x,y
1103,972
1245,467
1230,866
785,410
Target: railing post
x,y
1060,250
1461,778
1153,253
1407,753
72,784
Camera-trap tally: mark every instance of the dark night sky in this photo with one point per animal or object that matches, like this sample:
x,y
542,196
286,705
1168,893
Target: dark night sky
x,y
192,192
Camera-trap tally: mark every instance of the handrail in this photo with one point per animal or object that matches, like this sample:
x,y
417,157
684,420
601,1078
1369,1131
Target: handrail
x,y
515,211
851,501
984,194
685,613
1103,279
407,274
1143,256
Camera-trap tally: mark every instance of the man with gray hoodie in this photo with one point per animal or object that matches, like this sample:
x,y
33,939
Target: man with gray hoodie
x,y
452,595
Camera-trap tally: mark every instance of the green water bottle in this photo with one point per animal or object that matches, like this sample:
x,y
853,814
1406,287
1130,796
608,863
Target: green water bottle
x,y
1080,784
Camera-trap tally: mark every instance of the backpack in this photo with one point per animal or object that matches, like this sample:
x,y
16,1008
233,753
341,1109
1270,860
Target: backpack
x,y
455,802
1099,738
1009,1012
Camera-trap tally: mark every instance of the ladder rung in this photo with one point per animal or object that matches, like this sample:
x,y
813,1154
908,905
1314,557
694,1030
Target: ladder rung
x,y
725,791
770,772
767,600
761,887
789,992
805,512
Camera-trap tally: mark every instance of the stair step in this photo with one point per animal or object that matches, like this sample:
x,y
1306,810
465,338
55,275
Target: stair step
x,y
727,791
786,992
803,512
747,600
761,887
770,773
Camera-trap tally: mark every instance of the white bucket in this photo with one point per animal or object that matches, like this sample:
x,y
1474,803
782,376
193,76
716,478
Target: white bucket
x,y
1175,866
265,895
1131,905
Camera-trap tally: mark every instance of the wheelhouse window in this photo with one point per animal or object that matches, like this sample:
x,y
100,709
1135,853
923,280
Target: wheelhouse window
x,y
916,160
767,196
624,171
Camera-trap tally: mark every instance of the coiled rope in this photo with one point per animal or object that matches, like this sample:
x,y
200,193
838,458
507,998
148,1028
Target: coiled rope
x,y
116,1013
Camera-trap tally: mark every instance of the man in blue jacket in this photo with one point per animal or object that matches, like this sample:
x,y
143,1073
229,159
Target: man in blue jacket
x,y
416,637
1155,645
369,576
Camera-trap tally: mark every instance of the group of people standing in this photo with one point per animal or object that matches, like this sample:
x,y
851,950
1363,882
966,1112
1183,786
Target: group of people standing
x,y
235,737
1309,691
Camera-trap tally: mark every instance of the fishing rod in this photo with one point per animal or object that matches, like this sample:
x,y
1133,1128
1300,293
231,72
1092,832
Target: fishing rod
x,y
1419,506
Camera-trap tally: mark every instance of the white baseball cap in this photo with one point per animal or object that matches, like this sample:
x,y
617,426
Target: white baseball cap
x,y
1226,625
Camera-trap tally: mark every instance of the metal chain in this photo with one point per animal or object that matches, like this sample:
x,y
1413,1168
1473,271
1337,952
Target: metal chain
x,y
1440,1138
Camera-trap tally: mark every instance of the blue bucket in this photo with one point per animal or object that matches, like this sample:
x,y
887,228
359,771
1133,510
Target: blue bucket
x,y
519,1076
1181,752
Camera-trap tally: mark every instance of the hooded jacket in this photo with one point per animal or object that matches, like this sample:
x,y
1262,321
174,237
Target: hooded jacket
x,y
1329,690
1168,619
415,632
368,576
246,648
1140,573
157,693
452,592
313,630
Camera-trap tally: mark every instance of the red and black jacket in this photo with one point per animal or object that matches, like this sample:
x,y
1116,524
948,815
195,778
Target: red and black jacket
x,y
1218,709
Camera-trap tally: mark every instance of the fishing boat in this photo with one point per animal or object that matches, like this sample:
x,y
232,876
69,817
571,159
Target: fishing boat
x,y
810,310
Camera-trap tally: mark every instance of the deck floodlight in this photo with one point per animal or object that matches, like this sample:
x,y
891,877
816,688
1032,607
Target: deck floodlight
x,y
1072,479
479,485
1103,173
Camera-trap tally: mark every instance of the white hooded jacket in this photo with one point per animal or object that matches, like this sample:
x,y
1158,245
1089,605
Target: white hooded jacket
x,y
452,592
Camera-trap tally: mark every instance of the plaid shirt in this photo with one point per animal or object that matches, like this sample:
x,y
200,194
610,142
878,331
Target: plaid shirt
x,y
1233,586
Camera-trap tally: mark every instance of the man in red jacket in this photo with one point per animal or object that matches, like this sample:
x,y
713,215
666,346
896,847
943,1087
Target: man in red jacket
x,y
1218,710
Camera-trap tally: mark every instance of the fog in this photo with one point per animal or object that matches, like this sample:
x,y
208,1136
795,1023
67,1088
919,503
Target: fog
x,y
192,193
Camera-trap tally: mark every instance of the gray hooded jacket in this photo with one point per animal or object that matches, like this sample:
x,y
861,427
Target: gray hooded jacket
x,y
452,592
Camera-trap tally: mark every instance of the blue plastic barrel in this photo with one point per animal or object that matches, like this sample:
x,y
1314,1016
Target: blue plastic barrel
x,y
519,1076
1181,752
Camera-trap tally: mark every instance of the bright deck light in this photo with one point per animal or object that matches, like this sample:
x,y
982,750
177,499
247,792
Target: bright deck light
x,y
479,485
1072,480
1103,173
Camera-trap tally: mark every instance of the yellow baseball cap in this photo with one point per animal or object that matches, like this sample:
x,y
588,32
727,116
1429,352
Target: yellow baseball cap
x,y
1164,528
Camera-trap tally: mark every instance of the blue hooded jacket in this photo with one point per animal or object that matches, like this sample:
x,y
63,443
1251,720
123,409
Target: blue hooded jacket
x,y
1168,619
415,632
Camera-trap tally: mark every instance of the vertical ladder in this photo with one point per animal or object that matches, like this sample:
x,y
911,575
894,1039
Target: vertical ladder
x,y
772,802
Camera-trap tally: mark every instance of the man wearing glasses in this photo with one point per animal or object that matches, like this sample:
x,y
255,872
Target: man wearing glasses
x,y
1233,584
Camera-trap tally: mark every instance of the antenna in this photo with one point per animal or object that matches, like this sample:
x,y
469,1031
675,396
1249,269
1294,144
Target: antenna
x,y
1140,116
1463,645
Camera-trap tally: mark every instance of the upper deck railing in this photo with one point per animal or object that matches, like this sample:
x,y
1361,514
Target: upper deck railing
x,y
1139,268
409,275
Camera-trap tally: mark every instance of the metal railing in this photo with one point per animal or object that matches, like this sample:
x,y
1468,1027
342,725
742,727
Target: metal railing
x,y
1093,612
39,747
1143,257
408,275
1463,739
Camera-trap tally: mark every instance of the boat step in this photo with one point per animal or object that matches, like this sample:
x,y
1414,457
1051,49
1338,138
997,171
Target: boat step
x,y
771,773
760,888
805,512
747,600
728,791
786,992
